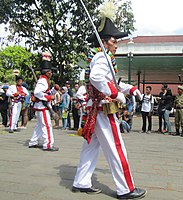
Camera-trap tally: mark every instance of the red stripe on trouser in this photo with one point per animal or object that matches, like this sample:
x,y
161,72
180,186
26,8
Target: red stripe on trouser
x,y
122,157
47,128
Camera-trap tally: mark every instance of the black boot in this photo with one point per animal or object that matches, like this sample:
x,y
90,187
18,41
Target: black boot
x,y
177,133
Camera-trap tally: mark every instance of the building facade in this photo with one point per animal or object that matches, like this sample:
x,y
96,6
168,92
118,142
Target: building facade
x,y
151,60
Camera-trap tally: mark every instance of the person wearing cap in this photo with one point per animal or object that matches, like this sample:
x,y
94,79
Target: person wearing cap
x,y
4,105
17,95
178,105
42,103
102,129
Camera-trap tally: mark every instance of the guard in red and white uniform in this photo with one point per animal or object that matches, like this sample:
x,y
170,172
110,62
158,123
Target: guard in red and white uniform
x,y
43,97
17,94
101,130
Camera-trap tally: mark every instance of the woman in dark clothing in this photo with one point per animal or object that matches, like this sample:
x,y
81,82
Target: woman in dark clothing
x,y
168,102
161,110
4,106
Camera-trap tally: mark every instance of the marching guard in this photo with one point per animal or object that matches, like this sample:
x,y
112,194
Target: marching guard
x,y
101,128
42,105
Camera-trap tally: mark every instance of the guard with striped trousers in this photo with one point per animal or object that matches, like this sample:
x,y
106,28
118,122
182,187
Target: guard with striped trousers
x,y
17,95
43,97
101,128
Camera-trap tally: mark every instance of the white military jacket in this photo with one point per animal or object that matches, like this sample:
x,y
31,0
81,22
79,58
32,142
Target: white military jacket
x,y
101,78
42,93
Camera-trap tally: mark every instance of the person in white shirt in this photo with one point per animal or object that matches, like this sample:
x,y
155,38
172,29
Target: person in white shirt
x,y
147,109
17,94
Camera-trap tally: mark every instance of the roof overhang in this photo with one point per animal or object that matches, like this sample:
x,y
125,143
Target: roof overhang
x,y
151,62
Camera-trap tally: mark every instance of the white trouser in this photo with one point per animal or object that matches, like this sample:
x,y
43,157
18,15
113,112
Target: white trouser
x,y
108,136
15,113
43,128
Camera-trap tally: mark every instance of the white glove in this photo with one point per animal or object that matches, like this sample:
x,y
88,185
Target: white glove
x,y
137,93
121,97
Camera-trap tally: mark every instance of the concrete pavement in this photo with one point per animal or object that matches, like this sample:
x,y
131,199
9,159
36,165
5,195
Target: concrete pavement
x,y
156,162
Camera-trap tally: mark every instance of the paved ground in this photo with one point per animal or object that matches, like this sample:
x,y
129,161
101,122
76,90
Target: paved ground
x,y
156,163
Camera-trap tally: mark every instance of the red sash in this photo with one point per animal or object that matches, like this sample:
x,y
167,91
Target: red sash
x,y
89,126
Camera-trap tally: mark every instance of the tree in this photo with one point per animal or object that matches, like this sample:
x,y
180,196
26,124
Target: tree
x,y
60,26
16,57
125,18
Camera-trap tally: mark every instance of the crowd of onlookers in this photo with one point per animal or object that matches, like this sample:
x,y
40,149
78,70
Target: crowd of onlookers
x,y
166,104
70,103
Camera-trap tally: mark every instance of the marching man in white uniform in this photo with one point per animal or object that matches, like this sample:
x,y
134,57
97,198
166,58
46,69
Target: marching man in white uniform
x,y
17,94
43,97
101,129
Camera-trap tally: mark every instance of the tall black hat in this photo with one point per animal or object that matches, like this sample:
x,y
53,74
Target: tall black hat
x,y
46,64
107,28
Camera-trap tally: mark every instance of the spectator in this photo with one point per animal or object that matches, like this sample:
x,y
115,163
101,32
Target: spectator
x,y
70,93
161,109
82,101
56,103
168,101
131,107
75,110
147,109
17,94
25,108
31,111
4,106
65,101
178,105
124,120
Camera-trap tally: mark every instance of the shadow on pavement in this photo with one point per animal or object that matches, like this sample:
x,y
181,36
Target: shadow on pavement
x,y
67,173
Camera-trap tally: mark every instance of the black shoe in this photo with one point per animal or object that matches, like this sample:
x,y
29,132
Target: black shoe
x,y
137,193
87,190
51,149
11,131
36,146
16,130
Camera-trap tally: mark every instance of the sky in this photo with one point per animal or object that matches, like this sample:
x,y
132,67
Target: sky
x,y
154,17
158,17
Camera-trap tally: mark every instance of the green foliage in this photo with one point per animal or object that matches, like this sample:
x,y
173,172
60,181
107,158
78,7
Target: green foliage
x,y
16,57
60,27
125,18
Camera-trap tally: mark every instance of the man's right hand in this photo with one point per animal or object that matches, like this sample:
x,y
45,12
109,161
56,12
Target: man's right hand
x,y
121,97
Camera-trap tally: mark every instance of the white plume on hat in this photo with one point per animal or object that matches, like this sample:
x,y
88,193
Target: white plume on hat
x,y
108,9
46,56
